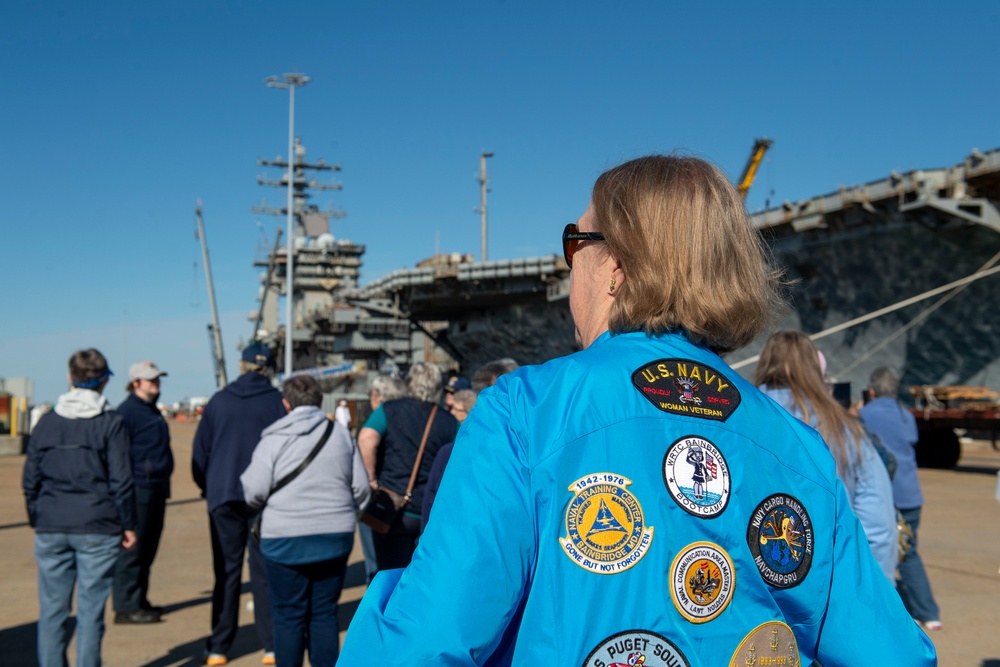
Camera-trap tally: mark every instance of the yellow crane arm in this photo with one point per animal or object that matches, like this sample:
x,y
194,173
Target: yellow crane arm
x,y
760,147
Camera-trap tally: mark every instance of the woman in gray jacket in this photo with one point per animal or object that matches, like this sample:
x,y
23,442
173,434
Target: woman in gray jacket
x,y
307,527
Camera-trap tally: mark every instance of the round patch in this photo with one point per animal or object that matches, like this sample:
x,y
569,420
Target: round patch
x,y
702,580
697,476
636,648
605,531
772,643
780,537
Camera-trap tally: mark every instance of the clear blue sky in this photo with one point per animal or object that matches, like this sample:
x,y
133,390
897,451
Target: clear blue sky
x,y
117,116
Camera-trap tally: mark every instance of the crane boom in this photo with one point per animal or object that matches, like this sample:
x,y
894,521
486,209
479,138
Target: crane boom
x,y
760,147
214,332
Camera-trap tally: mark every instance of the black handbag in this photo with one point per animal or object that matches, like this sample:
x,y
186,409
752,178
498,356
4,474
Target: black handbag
x,y
385,504
255,526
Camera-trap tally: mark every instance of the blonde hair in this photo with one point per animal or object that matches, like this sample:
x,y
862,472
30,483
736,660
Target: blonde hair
x,y
692,260
790,360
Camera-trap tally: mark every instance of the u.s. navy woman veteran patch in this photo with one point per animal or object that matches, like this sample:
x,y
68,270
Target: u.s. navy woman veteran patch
x,y
702,581
636,648
605,530
686,387
771,643
780,537
697,476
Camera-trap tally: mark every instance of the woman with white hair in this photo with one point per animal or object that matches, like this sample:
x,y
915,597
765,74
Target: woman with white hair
x,y
568,530
389,443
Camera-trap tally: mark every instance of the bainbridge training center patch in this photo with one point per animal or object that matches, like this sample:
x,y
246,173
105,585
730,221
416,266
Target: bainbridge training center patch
x,y
697,476
605,529
771,643
780,537
702,581
686,387
636,648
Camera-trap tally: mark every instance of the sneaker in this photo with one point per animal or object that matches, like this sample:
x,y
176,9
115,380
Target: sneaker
x,y
268,658
137,616
216,659
932,625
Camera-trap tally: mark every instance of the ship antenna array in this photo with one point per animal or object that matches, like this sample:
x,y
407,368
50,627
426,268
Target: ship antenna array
x,y
484,181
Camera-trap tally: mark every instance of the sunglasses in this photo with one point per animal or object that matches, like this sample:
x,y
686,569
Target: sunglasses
x,y
572,238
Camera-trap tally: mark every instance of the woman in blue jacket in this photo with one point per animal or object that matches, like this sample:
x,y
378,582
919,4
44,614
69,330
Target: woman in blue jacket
x,y
789,372
567,529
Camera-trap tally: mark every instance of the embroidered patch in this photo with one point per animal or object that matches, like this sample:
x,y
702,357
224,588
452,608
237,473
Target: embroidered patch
x,y
697,476
772,643
686,387
702,580
780,537
635,648
605,530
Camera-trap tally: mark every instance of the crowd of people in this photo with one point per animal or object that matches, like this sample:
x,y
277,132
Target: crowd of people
x,y
641,468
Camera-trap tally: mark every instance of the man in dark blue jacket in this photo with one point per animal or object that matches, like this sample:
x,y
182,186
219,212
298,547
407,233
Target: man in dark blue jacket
x,y
78,487
229,431
152,464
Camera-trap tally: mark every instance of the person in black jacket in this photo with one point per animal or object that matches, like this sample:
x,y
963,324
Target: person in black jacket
x,y
78,488
229,431
152,464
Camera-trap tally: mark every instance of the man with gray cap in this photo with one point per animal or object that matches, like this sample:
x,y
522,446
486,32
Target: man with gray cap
x,y
152,464
223,445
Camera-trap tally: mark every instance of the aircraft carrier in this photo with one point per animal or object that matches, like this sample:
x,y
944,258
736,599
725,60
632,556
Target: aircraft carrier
x,y
847,254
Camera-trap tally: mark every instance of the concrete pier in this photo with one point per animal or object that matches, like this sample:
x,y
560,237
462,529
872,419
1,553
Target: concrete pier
x,y
959,535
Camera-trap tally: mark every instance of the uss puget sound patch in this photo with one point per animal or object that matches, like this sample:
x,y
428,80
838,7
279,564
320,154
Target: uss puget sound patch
x,y
686,387
702,581
605,529
697,476
636,648
780,537
771,643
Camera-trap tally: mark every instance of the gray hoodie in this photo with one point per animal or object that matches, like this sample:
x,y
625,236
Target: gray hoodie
x,y
324,498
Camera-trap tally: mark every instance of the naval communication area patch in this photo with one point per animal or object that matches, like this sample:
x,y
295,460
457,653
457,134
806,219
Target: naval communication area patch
x,y
636,648
697,476
702,581
686,387
605,529
771,643
780,537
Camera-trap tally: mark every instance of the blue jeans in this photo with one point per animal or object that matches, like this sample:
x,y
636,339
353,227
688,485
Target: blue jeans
x,y
304,610
914,588
65,559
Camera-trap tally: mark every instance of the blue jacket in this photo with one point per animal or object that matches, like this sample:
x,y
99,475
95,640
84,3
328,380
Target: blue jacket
x,y
229,431
637,499
897,429
152,460
77,475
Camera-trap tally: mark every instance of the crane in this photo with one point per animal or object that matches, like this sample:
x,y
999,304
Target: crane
x,y
214,333
760,147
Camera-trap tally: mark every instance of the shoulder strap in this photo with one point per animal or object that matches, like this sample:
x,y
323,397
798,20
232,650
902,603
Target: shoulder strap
x,y
420,453
305,463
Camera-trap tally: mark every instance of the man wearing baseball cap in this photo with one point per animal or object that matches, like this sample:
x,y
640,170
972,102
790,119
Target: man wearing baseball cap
x,y
229,431
152,464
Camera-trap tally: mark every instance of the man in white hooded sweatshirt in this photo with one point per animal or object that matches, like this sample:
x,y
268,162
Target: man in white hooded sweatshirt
x,y
81,502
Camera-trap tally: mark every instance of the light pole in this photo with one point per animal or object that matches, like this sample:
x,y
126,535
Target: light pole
x,y
290,82
484,180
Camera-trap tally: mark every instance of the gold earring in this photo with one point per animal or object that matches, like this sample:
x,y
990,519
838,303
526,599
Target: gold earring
x,y
612,288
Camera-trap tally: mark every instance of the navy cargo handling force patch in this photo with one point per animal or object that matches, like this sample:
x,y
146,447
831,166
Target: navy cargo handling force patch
x,y
780,537
636,648
697,476
686,387
605,530
771,643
